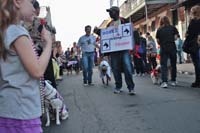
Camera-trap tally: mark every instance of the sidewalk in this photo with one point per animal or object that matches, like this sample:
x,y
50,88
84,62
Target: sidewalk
x,y
185,68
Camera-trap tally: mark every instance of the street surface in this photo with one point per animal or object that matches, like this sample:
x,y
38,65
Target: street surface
x,y
96,109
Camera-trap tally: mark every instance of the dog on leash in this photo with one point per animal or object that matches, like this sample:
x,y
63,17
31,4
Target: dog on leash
x,y
54,103
104,69
155,75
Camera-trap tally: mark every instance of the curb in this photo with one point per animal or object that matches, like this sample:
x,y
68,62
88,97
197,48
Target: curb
x,y
186,72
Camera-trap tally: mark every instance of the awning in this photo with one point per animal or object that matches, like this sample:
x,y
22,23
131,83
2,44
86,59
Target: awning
x,y
186,3
141,13
104,23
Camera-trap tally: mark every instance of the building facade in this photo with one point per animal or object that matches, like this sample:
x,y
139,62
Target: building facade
x,y
145,14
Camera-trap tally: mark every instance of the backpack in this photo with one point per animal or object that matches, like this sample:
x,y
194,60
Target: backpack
x,y
142,46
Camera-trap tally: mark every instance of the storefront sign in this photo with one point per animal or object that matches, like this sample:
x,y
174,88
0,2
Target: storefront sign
x,y
117,38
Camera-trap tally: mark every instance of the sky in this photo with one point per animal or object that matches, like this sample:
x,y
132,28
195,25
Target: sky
x,y
71,16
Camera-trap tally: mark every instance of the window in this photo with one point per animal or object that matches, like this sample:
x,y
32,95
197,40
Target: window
x,y
175,17
145,28
153,26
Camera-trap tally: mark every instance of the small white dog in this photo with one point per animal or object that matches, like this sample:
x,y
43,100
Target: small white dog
x,y
54,103
155,75
104,69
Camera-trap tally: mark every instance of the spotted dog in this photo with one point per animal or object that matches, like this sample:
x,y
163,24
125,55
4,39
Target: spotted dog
x,y
54,104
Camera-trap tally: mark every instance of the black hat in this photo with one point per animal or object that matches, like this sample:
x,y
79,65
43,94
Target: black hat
x,y
113,8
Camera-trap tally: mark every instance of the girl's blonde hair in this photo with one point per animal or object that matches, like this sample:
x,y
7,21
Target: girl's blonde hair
x,y
195,11
8,16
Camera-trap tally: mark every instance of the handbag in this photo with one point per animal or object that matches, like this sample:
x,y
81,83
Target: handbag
x,y
190,46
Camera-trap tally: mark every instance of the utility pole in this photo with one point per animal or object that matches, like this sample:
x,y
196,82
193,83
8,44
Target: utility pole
x,y
146,15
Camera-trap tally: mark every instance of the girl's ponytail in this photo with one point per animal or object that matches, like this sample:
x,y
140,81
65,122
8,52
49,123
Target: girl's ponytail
x,y
7,17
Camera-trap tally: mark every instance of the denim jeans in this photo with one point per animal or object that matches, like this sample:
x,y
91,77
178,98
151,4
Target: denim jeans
x,y
196,62
179,53
88,63
121,61
164,56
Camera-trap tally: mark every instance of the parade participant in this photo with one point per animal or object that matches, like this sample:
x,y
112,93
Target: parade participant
x,y
192,38
87,43
120,60
166,38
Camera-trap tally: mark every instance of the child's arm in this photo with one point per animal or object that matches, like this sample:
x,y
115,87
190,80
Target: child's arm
x,y
23,47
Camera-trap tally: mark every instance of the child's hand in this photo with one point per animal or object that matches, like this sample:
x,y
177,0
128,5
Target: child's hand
x,y
46,35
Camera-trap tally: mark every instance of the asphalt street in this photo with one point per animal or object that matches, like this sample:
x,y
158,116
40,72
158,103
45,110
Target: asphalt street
x,y
96,109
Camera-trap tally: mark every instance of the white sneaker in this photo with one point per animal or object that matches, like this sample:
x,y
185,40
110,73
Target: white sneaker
x,y
163,85
173,83
116,91
84,84
131,92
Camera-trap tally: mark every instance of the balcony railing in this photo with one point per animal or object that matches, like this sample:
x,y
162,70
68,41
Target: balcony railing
x,y
131,6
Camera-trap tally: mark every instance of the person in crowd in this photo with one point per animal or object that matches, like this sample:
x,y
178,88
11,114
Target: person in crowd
x,y
193,32
120,60
35,36
143,51
20,69
166,38
151,50
87,43
60,58
56,62
67,53
138,54
76,58
179,44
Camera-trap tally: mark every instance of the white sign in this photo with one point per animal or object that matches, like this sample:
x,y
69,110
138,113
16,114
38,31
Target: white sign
x,y
117,38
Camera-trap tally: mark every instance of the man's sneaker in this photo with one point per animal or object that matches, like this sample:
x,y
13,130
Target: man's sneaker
x,y
173,83
120,90
84,84
163,85
90,84
116,91
131,92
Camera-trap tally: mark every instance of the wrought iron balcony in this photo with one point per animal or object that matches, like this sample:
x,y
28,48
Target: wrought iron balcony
x,y
131,6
